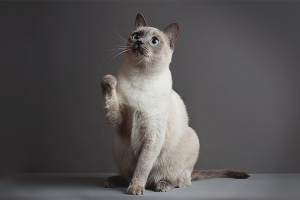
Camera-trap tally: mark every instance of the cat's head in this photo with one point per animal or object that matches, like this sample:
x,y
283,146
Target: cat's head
x,y
149,46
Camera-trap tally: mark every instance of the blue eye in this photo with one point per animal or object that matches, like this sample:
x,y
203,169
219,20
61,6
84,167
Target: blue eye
x,y
136,36
154,41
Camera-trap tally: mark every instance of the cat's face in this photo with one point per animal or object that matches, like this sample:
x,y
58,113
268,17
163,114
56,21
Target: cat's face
x,y
149,46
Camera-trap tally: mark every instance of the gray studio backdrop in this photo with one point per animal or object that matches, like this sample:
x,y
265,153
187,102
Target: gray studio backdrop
x,y
236,66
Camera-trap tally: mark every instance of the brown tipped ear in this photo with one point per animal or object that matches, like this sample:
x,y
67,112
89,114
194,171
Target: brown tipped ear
x,y
139,21
172,32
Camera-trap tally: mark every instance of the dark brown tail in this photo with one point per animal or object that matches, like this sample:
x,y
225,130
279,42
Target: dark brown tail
x,y
226,173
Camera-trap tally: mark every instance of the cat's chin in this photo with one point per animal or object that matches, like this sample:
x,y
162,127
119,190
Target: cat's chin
x,y
138,57
138,53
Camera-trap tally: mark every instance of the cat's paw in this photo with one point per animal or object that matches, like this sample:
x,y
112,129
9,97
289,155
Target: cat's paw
x,y
115,181
108,83
135,190
109,182
163,186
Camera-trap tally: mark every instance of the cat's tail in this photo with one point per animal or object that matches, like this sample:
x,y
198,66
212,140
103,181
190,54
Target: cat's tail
x,y
225,173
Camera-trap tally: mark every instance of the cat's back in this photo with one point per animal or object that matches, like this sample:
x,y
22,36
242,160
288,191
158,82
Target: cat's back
x,y
178,134
178,113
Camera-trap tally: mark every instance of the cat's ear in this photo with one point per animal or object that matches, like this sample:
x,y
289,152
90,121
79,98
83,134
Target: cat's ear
x,y
139,21
172,32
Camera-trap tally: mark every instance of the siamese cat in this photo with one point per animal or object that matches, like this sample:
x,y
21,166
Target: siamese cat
x,y
154,147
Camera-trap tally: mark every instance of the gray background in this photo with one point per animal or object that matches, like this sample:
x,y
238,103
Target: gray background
x,y
236,66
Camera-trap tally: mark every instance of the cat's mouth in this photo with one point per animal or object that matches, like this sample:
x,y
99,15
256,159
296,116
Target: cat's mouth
x,y
138,49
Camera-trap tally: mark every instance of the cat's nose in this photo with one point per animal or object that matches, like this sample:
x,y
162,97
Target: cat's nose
x,y
139,42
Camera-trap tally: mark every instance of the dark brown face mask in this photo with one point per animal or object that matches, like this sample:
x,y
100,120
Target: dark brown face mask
x,y
171,31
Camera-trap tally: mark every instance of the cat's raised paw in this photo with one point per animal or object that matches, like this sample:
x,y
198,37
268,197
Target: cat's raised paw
x,y
108,83
163,186
135,190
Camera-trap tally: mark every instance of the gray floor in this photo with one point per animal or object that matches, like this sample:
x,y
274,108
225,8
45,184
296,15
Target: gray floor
x,y
89,186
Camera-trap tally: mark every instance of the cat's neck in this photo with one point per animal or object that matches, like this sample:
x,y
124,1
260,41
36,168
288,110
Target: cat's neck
x,y
135,80
149,73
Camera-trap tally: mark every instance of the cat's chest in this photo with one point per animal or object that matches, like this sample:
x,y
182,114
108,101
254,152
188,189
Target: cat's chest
x,y
138,121
142,109
143,95
144,105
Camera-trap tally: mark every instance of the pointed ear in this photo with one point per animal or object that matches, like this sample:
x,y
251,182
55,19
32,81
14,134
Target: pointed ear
x,y
172,32
139,21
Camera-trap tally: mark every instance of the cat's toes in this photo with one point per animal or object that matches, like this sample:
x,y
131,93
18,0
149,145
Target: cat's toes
x,y
108,83
135,190
115,181
109,182
163,186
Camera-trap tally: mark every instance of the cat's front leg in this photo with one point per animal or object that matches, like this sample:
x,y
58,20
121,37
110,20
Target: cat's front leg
x,y
149,152
110,101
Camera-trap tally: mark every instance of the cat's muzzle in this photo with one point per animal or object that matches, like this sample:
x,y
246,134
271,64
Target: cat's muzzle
x,y
137,47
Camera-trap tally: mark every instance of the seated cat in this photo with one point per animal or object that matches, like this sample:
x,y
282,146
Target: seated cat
x,y
154,147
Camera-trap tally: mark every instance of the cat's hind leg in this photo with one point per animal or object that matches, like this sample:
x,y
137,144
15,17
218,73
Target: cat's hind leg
x,y
115,181
164,186
185,179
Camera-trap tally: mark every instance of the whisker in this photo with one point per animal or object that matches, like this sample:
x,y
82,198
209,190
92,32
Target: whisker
x,y
117,49
123,39
119,54
107,58
140,61
120,46
127,45
123,42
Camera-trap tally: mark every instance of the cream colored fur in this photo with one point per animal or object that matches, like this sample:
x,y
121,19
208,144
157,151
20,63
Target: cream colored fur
x,y
153,143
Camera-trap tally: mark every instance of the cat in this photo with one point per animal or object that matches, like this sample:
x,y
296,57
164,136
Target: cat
x,y
154,147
